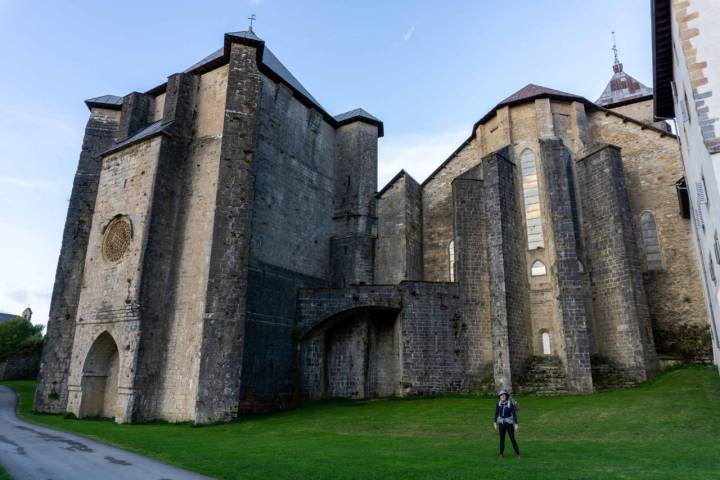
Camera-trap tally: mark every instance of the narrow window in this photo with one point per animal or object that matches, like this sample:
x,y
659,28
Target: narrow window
x,y
531,195
716,246
651,243
581,266
546,343
538,269
711,267
451,259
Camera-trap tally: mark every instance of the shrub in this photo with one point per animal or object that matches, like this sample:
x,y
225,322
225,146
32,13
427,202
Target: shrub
x,y
18,334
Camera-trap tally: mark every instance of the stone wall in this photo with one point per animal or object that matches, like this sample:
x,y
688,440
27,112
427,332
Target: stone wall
x,y
564,229
224,317
51,394
431,339
23,365
472,273
621,317
437,211
173,294
352,246
290,240
509,307
652,165
398,248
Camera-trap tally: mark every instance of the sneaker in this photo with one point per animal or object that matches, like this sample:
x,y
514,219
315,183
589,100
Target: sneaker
x,y
518,456
500,456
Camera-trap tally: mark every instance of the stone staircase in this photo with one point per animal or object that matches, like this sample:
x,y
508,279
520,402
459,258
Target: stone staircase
x,y
605,376
544,375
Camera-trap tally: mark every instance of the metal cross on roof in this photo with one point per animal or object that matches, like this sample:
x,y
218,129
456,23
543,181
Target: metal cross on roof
x,y
252,18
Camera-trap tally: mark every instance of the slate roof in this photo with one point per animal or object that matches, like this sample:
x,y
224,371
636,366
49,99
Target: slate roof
x,y
268,64
531,92
623,88
112,102
6,316
153,129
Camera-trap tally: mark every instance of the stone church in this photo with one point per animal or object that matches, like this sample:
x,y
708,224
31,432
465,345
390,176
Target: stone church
x,y
227,250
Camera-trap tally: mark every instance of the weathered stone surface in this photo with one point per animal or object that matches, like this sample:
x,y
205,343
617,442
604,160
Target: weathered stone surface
x,y
236,256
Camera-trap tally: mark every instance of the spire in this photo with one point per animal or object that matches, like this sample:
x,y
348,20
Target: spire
x,y
617,66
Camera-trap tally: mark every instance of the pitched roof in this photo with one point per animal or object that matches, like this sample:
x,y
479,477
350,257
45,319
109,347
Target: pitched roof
x,y
532,92
273,67
623,88
112,102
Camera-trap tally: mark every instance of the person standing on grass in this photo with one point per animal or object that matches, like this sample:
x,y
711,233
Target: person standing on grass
x,y
506,418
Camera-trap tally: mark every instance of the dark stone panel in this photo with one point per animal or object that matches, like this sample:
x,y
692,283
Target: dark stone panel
x,y
560,199
622,326
269,369
135,115
509,300
431,339
472,273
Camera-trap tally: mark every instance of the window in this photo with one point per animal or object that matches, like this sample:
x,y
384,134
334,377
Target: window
x,y
716,246
651,243
711,269
451,259
531,195
683,197
705,196
581,266
538,269
546,343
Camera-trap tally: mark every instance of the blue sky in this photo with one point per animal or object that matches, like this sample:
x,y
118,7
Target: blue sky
x,y
428,69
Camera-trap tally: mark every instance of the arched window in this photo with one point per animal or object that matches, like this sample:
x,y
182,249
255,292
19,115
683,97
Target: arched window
x,y
651,242
538,269
546,343
451,259
531,195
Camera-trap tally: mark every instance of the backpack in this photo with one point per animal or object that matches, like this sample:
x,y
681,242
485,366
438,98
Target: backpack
x,y
516,404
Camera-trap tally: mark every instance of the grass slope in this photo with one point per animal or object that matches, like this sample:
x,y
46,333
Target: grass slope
x,y
665,429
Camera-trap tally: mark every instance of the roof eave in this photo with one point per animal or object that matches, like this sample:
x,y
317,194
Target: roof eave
x,y
661,12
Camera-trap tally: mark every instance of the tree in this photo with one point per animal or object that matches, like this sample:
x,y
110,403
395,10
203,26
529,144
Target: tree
x,y
17,334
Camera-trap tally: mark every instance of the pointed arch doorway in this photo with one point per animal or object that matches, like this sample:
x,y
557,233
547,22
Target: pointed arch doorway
x,y
100,379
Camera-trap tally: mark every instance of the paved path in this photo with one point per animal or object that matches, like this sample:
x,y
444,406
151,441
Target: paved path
x,y
29,451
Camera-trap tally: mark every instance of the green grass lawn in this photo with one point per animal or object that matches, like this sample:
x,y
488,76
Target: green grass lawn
x,y
668,428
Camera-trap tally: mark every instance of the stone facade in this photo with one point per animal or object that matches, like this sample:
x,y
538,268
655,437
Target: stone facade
x,y
227,251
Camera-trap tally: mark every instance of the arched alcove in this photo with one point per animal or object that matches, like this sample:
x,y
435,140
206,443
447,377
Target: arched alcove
x,y
100,378
538,269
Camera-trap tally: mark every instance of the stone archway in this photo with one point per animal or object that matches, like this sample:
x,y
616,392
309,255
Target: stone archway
x,y
353,354
99,385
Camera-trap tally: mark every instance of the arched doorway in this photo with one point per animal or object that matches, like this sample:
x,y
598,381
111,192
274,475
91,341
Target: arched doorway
x,y
546,343
100,379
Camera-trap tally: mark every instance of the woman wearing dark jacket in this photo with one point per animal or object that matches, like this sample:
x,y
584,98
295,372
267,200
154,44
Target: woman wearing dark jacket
x,y
506,418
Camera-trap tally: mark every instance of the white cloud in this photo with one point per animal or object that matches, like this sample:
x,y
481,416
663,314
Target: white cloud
x,y
408,35
28,259
417,153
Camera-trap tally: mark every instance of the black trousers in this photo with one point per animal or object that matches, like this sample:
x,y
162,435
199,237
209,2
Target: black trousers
x,y
508,428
